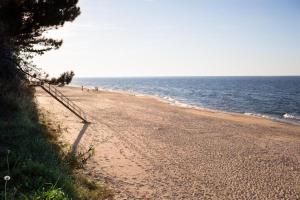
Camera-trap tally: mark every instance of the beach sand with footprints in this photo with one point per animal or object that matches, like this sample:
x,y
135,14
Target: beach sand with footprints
x,y
148,149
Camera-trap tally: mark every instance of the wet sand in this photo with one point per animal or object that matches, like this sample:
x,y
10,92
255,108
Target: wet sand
x,y
148,149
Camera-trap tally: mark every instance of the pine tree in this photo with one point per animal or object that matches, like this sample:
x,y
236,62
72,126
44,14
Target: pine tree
x,y
22,24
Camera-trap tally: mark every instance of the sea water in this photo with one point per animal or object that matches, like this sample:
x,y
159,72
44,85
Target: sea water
x,y
271,97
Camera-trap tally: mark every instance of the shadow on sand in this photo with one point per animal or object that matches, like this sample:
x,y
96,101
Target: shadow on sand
x,y
81,133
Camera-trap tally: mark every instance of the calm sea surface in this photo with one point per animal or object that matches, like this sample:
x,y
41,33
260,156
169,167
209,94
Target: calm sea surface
x,y
271,97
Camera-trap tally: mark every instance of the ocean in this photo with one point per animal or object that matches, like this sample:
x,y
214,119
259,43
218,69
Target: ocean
x,y
277,98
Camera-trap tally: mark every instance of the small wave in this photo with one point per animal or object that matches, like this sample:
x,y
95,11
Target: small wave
x,y
169,99
175,102
286,118
289,116
259,115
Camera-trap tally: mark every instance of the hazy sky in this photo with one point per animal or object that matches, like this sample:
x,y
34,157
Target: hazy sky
x,y
179,37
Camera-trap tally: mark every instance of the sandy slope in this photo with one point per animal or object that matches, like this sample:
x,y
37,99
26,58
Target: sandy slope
x,y
147,149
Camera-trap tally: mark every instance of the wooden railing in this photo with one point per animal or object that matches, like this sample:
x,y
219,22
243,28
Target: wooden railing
x,y
54,92
36,79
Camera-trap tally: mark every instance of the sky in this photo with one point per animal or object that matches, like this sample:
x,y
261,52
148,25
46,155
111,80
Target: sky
x,y
128,38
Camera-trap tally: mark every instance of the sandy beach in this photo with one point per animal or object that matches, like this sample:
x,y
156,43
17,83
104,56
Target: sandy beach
x,y
149,149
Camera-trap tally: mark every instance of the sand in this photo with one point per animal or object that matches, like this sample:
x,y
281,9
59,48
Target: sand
x,y
149,149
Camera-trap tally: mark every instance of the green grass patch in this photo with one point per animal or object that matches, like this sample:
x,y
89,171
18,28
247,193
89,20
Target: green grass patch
x,y
32,157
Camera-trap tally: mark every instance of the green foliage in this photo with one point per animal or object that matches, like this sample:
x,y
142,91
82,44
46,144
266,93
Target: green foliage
x,y
64,79
78,160
50,194
36,163
22,24
25,21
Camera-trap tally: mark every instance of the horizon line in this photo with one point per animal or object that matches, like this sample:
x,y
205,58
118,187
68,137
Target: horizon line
x,y
175,76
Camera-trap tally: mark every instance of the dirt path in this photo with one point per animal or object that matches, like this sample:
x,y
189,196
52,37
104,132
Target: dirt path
x,y
147,149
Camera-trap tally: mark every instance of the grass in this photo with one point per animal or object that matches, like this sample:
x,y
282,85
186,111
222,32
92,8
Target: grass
x,y
32,156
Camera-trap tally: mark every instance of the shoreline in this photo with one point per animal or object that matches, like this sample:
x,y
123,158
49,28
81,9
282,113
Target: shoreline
x,y
149,149
176,103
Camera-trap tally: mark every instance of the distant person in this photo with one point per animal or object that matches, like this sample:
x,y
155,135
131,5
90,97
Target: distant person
x,y
82,88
